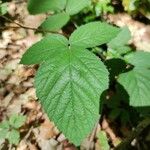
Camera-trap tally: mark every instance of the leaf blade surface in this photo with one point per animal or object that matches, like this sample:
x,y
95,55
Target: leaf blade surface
x,y
55,22
137,83
44,49
93,34
41,6
73,6
69,91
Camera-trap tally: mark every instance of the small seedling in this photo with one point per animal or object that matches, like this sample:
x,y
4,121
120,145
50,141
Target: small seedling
x,y
9,128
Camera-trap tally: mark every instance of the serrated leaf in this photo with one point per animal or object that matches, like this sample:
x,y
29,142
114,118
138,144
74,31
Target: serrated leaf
x,y
55,22
137,83
121,39
69,87
44,49
3,133
13,137
139,59
41,6
17,121
93,34
4,125
73,7
117,46
3,8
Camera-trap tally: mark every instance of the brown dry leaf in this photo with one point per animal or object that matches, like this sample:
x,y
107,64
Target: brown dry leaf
x,y
14,107
47,129
12,8
28,83
5,102
70,148
4,73
22,145
48,144
43,143
31,105
6,38
34,21
3,53
32,146
14,80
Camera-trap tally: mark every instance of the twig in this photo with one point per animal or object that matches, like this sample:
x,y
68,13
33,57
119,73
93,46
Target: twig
x,y
25,27
28,134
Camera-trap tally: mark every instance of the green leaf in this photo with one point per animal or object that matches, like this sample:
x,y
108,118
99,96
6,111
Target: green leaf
x,y
137,83
41,6
45,49
17,121
13,137
117,46
139,59
3,8
73,7
103,141
118,51
3,133
93,34
4,125
69,88
121,39
55,22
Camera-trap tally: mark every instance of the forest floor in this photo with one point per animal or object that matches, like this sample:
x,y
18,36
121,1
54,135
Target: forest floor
x,y
17,94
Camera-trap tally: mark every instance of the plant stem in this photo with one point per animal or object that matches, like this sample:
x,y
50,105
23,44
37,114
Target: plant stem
x,y
25,27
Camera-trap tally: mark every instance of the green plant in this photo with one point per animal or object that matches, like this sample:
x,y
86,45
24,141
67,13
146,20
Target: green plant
x,y
136,6
3,8
97,9
103,7
71,78
62,11
9,128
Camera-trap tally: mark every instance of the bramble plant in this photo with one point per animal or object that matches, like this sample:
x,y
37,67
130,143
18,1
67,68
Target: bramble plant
x,y
71,78
62,11
9,128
